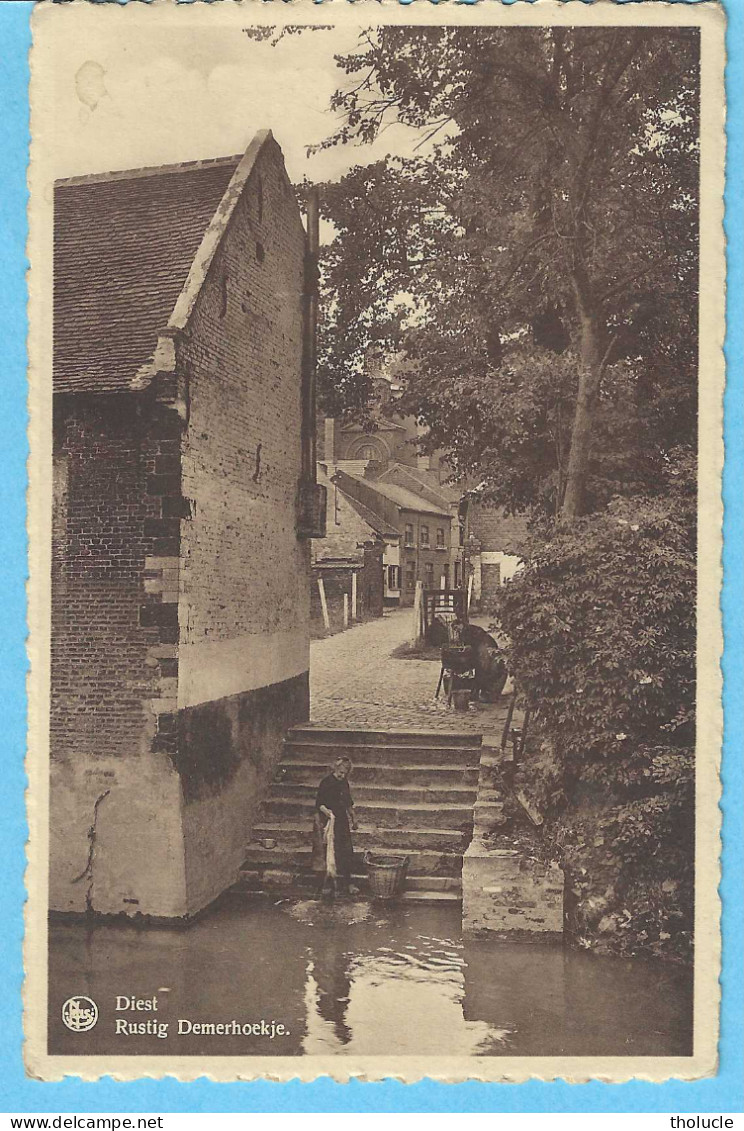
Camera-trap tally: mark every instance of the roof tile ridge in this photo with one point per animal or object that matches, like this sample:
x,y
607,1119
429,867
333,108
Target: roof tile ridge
x,y
163,359
215,231
147,171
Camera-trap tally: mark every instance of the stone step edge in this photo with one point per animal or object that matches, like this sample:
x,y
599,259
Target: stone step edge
x,y
403,807
404,897
430,897
418,883
434,767
343,748
471,738
306,852
468,790
304,827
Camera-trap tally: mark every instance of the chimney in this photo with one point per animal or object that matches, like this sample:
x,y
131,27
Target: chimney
x,y
330,439
423,463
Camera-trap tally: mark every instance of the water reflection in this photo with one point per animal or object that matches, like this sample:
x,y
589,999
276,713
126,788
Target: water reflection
x,y
401,1001
354,978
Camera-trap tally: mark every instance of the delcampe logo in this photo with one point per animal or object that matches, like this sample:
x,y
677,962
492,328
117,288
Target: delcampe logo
x,y
79,1013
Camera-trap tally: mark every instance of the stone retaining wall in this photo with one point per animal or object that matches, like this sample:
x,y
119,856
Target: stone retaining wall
x,y
506,890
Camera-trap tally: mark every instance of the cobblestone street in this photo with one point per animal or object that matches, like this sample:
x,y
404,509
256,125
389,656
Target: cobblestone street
x,y
354,682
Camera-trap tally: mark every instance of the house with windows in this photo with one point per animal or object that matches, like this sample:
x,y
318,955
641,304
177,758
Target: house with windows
x,y
424,482
380,466
347,574
427,533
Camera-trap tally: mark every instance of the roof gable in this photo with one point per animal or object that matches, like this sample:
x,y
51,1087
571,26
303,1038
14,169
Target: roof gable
x,y
422,481
401,496
374,521
131,252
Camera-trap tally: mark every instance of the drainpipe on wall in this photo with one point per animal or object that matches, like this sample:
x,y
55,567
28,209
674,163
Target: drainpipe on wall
x,y
311,516
311,322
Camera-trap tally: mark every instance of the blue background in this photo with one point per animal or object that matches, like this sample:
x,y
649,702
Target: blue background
x,y
724,1093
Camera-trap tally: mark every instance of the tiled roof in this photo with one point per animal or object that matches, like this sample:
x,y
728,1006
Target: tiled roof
x,y
123,247
448,493
375,521
401,496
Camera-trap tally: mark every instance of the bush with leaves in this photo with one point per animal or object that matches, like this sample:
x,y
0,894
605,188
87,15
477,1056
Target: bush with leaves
x,y
602,628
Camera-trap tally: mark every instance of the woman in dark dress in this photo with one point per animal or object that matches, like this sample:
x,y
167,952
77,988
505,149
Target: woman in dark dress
x,y
334,798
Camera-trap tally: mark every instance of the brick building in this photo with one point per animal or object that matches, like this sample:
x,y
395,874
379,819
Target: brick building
x,y
425,529
180,618
424,482
388,437
348,560
493,549
404,493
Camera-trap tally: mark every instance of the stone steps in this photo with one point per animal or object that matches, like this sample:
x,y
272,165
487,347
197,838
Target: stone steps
x,y
394,796
297,833
356,736
405,755
414,794
298,861
380,814
381,775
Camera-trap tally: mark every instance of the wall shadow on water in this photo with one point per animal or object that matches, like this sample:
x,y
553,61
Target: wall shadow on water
x,y
358,978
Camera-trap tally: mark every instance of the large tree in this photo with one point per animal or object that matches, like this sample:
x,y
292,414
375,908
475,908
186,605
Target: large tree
x,y
538,260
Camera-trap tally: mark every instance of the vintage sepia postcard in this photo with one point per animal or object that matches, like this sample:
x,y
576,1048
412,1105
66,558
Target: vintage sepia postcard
x,y
376,384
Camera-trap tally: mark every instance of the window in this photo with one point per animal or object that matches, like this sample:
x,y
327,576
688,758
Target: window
x,y
457,575
445,574
424,535
409,534
429,575
410,575
440,537
393,577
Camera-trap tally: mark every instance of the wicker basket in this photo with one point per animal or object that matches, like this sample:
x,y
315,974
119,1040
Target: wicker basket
x,y
386,874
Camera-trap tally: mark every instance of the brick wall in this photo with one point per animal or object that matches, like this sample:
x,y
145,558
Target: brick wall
x,y
507,889
507,894
244,607
496,530
112,657
180,588
244,569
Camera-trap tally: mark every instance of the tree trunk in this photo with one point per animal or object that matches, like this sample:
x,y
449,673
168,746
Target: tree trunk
x,y
590,374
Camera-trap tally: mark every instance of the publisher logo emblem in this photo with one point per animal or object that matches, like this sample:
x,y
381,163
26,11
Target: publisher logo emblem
x,y
79,1013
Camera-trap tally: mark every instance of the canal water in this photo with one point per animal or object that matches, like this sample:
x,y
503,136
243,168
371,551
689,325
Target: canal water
x,y
354,977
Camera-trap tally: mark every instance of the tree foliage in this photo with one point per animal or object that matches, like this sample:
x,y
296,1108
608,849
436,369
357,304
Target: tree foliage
x,y
552,223
602,628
